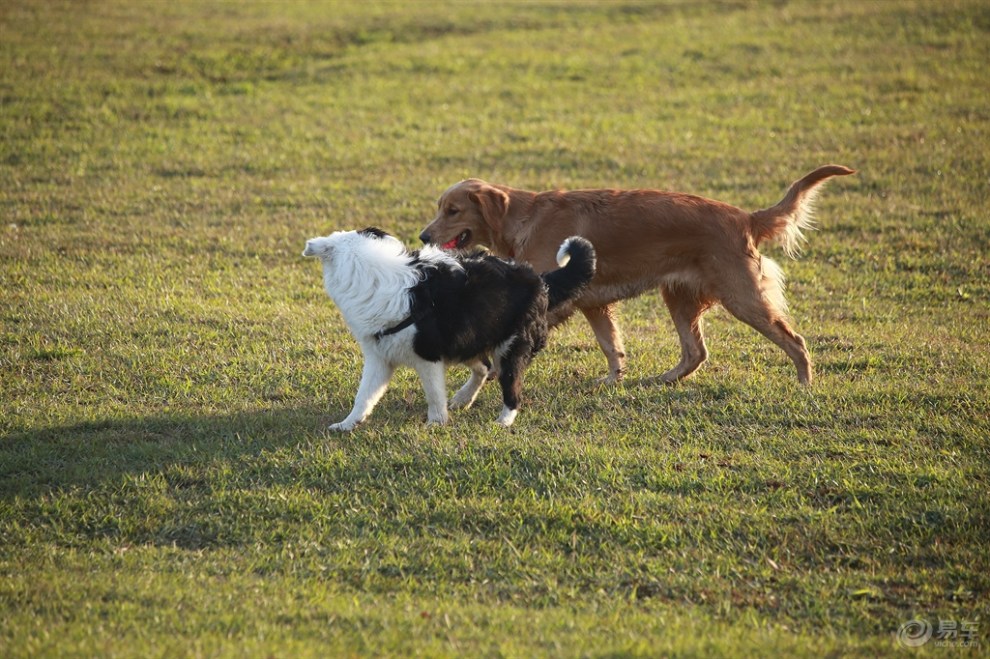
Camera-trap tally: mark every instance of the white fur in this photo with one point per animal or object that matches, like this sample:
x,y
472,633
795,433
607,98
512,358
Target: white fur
x,y
564,253
503,347
772,283
507,416
368,278
792,239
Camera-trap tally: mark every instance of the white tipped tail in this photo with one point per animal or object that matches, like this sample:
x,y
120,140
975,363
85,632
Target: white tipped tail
x,y
564,253
576,257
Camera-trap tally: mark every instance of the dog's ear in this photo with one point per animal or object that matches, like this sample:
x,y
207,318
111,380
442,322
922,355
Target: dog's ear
x,y
317,247
374,232
494,204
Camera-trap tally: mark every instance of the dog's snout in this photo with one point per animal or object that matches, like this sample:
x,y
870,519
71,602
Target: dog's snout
x,y
425,237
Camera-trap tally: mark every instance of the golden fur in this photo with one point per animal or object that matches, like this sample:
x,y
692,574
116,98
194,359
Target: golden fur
x,y
697,251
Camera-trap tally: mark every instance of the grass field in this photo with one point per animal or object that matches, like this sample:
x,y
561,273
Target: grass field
x,y
168,360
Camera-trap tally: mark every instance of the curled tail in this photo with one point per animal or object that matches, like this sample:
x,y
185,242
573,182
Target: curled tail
x,y
790,215
576,257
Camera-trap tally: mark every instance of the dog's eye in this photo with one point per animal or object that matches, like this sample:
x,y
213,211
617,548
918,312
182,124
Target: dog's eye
x,y
453,211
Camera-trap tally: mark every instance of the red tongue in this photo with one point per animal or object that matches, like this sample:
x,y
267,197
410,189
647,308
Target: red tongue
x,y
451,244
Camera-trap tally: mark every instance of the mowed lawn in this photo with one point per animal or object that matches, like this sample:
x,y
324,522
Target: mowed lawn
x,y
168,360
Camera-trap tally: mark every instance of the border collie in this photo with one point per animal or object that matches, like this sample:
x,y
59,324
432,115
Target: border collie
x,y
429,308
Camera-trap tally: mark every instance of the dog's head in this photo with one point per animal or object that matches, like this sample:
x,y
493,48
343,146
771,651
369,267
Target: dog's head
x,y
325,246
321,247
469,214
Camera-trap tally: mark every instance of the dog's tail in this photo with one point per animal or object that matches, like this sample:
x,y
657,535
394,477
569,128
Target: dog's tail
x,y
577,261
786,220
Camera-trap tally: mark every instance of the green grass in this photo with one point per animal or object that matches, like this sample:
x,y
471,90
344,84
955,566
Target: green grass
x,y
168,360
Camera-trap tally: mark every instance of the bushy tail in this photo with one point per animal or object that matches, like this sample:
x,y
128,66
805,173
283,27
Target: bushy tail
x,y
794,212
576,258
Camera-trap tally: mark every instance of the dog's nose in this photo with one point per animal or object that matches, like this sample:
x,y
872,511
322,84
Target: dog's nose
x,y
425,237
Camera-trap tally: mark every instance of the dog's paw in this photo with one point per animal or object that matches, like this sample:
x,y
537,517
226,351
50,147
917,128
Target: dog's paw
x,y
343,426
611,380
506,418
436,422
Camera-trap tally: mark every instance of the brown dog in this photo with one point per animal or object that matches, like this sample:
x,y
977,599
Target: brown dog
x,y
699,252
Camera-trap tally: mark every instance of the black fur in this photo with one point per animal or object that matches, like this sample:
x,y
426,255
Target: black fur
x,y
469,314
373,231
566,283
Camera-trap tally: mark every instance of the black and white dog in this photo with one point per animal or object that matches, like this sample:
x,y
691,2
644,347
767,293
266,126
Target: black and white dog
x,y
429,308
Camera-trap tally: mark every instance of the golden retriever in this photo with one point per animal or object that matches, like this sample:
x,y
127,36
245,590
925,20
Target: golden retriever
x,y
698,252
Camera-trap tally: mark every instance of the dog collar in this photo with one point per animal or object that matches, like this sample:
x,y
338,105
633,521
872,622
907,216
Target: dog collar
x,y
381,334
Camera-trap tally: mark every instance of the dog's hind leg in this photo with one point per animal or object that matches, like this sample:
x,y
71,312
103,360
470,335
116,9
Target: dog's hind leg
x,y
686,309
435,388
374,381
779,331
465,395
511,365
606,328
758,301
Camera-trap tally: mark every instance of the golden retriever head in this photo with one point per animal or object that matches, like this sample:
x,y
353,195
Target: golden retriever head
x,y
469,213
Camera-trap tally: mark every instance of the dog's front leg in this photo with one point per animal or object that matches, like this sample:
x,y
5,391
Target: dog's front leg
x,y
435,388
374,381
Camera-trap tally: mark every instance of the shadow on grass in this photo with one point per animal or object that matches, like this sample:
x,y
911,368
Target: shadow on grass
x,y
250,478
89,455
86,454
211,480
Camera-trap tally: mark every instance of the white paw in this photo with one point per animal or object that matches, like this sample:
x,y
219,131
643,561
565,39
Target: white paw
x,y
437,419
343,426
506,417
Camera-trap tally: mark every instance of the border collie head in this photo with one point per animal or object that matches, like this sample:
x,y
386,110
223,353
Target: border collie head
x,y
321,247
365,242
367,273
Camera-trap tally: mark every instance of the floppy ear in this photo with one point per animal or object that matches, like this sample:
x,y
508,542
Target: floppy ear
x,y
317,247
494,204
